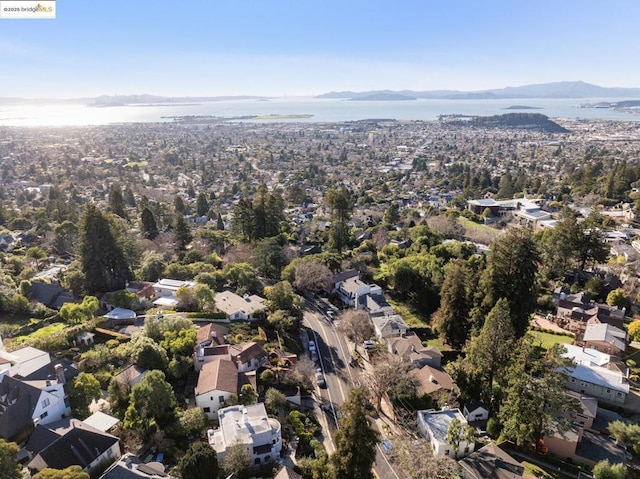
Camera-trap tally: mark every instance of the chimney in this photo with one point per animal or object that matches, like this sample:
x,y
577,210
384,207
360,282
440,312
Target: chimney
x,y
214,334
60,373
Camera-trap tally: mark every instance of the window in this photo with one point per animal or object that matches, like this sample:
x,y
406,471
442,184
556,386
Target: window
x,y
45,402
608,390
267,459
207,409
221,399
44,414
257,461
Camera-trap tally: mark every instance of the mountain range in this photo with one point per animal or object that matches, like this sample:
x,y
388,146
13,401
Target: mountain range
x,y
568,89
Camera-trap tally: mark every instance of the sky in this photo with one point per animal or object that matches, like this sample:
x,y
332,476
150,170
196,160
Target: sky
x,y
308,47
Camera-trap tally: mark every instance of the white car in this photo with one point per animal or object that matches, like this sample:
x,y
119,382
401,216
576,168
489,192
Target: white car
x,y
320,380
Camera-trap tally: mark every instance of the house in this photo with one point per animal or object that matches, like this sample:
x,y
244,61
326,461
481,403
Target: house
x,y
131,375
102,422
51,294
210,343
287,473
434,425
165,291
130,466
376,305
605,338
352,292
24,404
251,427
596,374
478,206
118,316
580,443
389,326
24,361
475,411
77,444
85,338
217,381
62,370
338,278
410,349
430,380
239,308
248,356
491,462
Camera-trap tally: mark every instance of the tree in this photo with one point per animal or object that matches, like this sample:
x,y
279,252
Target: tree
x,y
488,353
312,276
182,231
511,274
79,313
9,468
280,296
340,203
452,318
536,399
389,376
274,400
148,224
281,320
237,460
71,472
149,354
199,462
618,298
605,470
153,399
355,439
193,420
356,325
86,389
202,205
269,257
152,267
627,434
117,205
634,330
247,394
37,254
458,433
242,277
102,257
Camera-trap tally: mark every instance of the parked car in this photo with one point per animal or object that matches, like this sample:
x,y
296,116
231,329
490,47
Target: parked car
x,y
369,344
322,383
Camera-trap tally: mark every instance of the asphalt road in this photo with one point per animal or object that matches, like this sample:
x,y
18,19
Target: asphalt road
x,y
333,359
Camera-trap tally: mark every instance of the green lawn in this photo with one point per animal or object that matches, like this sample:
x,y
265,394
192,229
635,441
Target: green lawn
x,y
472,225
41,333
537,471
548,339
438,344
410,317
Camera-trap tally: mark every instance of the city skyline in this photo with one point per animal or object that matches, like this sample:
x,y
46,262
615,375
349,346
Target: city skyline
x,y
282,48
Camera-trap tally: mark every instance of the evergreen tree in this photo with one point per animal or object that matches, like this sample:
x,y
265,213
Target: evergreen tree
x,y
199,462
536,400
103,260
511,274
488,353
220,223
202,205
129,199
355,439
9,467
116,201
149,225
341,205
452,318
182,231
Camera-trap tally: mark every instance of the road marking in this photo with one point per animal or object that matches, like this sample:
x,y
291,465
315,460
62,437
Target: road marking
x,y
325,338
385,460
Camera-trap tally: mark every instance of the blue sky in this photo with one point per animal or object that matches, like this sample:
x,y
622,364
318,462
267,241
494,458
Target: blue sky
x,y
303,47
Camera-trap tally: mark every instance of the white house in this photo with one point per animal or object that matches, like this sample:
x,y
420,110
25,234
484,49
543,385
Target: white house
x,y
475,411
24,403
131,467
218,380
165,291
23,361
251,427
239,308
434,426
248,356
596,374
389,326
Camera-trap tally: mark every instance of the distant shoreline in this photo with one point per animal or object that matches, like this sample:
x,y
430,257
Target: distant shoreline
x,y
523,107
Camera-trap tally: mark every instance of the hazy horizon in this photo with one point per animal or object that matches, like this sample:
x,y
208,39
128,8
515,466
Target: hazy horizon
x,y
283,48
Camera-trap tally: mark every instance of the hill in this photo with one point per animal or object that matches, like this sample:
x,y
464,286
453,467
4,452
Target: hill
x,y
569,89
517,121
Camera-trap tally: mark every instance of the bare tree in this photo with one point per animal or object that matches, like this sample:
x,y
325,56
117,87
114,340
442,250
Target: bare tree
x,y
389,375
312,276
356,325
416,459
